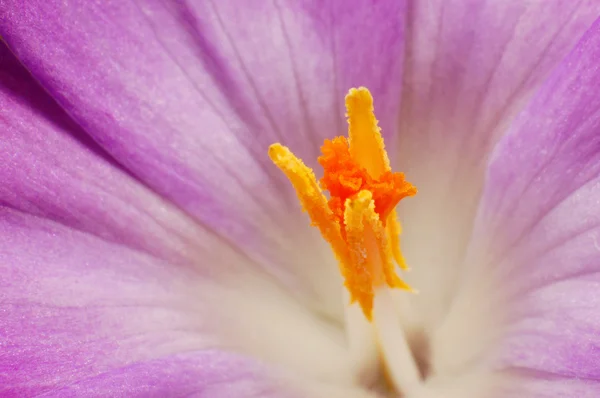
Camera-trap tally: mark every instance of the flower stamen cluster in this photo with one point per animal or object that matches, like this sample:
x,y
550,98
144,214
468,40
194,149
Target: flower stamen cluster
x,y
359,219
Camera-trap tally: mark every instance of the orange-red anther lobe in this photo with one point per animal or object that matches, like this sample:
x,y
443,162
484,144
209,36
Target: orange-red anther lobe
x,y
343,177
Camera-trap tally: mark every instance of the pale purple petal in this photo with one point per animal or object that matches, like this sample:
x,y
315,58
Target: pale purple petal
x,y
188,95
73,306
471,65
53,173
86,285
51,169
536,252
209,374
202,374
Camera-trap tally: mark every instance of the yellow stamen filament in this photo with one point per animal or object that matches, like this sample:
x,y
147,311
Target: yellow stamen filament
x,y
359,220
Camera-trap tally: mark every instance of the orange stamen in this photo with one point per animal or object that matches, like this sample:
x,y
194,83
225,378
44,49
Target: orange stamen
x,y
359,220
344,177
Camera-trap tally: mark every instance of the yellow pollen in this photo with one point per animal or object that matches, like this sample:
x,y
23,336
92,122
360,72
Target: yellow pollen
x,y
359,219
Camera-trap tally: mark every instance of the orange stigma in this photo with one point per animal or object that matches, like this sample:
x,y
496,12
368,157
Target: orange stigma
x,y
358,220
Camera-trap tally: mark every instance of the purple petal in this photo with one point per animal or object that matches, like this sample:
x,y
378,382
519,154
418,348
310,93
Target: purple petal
x,y
80,249
470,67
536,252
208,374
54,172
187,96
51,169
73,306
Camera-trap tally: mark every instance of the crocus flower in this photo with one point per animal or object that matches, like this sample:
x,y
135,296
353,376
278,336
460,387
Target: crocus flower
x,y
150,247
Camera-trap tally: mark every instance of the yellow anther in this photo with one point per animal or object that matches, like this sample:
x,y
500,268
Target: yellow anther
x,y
366,143
311,198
